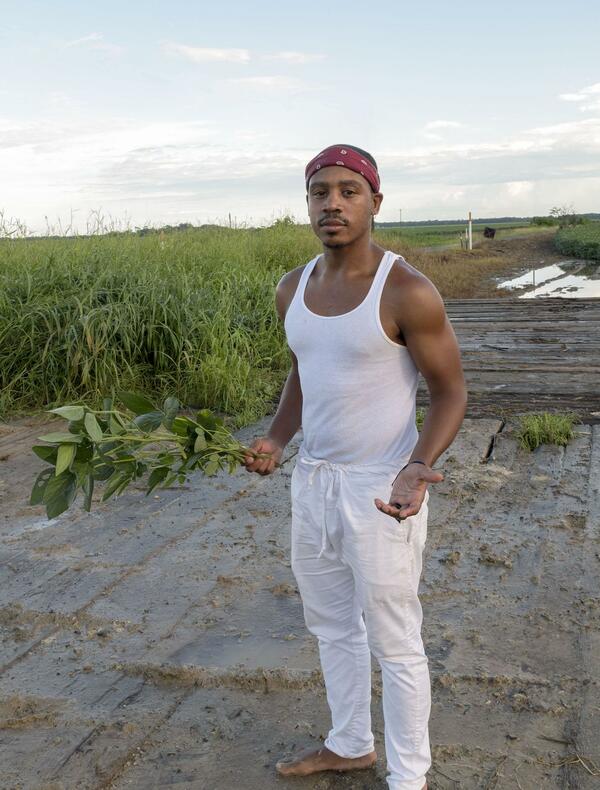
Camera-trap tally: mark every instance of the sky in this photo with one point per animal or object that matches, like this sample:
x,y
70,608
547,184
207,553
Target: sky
x,y
159,113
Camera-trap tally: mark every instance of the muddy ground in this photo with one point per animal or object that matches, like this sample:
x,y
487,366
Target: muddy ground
x,y
159,642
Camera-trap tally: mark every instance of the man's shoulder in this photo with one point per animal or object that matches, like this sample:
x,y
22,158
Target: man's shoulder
x,y
406,283
286,288
411,294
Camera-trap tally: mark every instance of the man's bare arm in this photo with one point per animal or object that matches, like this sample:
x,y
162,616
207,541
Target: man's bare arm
x,y
433,346
288,417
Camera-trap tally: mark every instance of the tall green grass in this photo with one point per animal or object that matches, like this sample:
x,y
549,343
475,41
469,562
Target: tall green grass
x,y
188,313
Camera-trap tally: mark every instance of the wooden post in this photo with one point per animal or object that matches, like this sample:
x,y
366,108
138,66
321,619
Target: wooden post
x,y
470,232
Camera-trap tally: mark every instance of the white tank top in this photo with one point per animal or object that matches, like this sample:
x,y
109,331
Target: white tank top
x,y
358,386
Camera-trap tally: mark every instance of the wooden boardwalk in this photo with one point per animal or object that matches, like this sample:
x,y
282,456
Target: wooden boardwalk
x,y
528,355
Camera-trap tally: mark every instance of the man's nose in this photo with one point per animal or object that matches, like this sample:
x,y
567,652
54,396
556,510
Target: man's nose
x,y
332,201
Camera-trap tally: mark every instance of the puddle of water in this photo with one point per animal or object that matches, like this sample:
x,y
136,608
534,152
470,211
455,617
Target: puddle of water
x,y
571,279
541,276
572,285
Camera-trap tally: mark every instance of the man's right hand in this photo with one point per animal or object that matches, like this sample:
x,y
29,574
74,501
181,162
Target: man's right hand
x,y
264,466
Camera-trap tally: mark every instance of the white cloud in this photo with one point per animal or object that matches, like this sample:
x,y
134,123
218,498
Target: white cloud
x,y
271,83
442,125
91,37
194,169
588,98
94,41
207,54
294,57
519,188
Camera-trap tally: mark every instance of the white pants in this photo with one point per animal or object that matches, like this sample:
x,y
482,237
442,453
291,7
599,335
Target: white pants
x,y
358,573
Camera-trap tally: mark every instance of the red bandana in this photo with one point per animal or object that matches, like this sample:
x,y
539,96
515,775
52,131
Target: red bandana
x,y
343,157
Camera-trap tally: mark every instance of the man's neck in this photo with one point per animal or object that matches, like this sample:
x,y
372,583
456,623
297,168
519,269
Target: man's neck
x,y
361,257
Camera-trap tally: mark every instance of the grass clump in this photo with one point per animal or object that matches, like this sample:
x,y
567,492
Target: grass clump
x,y
545,428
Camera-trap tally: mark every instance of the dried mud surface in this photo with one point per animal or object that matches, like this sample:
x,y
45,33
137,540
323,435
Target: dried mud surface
x,y
159,642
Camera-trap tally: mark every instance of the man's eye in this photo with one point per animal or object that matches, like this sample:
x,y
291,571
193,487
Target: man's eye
x,y
318,194
349,192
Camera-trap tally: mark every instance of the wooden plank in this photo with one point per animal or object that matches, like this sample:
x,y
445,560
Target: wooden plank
x,y
528,354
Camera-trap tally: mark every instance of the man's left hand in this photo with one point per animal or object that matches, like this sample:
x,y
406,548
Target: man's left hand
x,y
408,491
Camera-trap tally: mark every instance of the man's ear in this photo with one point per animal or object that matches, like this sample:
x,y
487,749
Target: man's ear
x,y
377,200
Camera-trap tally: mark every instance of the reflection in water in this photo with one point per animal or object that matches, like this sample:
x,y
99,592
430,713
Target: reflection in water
x,y
572,285
567,279
541,276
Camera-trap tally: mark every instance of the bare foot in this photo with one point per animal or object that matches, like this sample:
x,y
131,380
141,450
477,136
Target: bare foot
x,y
312,760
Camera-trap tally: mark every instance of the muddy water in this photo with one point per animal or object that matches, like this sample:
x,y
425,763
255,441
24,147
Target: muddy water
x,y
579,279
160,642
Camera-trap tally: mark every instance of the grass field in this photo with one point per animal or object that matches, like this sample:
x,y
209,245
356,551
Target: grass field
x,y
189,313
433,235
581,241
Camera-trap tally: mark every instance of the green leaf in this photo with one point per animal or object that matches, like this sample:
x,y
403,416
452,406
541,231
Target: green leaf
x,y
123,485
64,459
165,459
182,425
140,469
170,480
92,427
107,404
46,453
170,408
60,493
115,481
200,443
207,419
103,471
58,437
84,452
149,422
37,493
88,490
115,425
211,467
138,404
156,477
69,412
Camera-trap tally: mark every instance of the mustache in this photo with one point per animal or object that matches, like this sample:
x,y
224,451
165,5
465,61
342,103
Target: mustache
x,y
325,220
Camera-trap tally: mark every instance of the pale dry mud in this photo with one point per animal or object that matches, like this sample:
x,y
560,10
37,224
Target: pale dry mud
x,y
159,642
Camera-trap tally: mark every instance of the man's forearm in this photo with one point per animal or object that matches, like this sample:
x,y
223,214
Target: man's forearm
x,y
442,422
288,417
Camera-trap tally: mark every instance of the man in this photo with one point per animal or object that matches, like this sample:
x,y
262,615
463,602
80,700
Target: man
x,y
361,323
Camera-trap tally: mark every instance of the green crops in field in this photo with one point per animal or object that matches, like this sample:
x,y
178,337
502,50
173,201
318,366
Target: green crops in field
x,y
581,241
434,235
190,313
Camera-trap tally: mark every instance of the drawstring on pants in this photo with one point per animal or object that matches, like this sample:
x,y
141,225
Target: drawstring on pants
x,y
331,467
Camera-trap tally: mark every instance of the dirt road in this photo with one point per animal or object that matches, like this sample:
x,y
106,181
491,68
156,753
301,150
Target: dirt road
x,y
159,642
